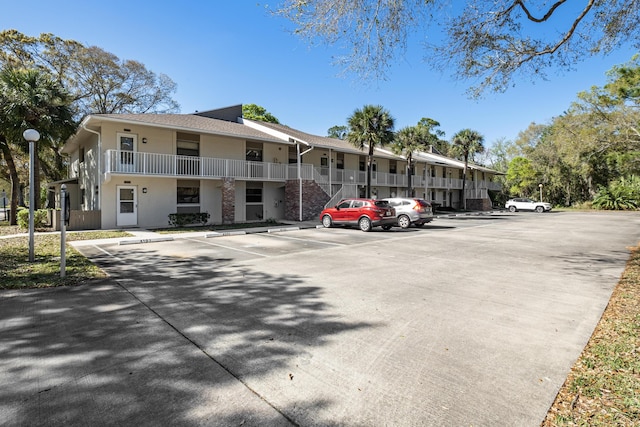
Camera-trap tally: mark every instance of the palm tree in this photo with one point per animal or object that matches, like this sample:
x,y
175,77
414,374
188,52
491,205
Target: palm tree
x,y
466,143
409,140
33,99
372,126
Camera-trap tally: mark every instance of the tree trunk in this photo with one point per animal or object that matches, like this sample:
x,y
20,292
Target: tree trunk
x,y
369,177
369,164
20,193
15,181
409,160
464,182
36,179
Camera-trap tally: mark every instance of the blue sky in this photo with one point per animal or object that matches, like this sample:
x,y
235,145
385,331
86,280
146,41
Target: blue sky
x,y
222,53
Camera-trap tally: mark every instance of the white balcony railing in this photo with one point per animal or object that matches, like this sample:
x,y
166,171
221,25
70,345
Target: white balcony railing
x,y
167,165
135,163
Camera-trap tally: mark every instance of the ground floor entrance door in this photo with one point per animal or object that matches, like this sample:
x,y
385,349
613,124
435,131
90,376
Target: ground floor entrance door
x,y
127,206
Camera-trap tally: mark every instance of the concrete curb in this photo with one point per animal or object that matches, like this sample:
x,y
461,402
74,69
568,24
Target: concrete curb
x,y
225,233
283,229
145,240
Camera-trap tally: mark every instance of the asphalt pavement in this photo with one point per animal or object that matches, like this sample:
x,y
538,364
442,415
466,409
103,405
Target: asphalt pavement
x,y
472,320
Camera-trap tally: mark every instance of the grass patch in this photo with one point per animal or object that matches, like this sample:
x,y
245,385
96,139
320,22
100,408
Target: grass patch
x,y
16,272
603,388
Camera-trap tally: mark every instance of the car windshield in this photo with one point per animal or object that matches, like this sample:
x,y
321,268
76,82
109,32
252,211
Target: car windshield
x,y
382,203
423,203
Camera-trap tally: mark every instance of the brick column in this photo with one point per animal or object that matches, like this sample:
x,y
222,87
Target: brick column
x,y
228,200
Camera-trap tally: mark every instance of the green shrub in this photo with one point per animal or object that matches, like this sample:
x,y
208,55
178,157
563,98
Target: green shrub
x,y
182,219
40,218
623,194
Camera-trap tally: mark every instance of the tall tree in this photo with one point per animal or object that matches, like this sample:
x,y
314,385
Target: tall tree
x,y
98,81
259,113
370,127
104,84
32,99
338,132
521,177
488,41
466,143
434,135
408,141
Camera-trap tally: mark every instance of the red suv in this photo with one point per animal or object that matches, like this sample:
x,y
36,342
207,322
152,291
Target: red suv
x,y
365,213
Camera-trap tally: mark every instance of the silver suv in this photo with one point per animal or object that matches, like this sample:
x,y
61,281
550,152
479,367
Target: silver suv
x,y
411,211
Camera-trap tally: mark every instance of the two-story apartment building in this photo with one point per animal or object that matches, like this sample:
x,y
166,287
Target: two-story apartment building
x,y
133,170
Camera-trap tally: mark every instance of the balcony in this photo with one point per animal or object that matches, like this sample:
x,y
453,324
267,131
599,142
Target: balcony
x,y
190,167
167,165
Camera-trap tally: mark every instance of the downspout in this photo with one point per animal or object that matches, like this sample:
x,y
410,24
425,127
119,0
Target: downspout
x,y
84,126
300,178
330,174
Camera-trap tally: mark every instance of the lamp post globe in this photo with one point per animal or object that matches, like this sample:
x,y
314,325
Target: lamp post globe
x,y
540,186
32,136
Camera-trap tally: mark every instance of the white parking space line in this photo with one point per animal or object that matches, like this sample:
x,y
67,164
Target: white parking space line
x,y
227,247
108,253
320,242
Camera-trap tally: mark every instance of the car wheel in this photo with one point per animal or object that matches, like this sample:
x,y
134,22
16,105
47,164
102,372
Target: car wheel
x,y
404,221
512,209
326,221
364,223
387,227
539,209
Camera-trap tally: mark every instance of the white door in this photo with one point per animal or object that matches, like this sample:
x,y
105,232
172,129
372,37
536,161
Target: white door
x,y
127,206
127,146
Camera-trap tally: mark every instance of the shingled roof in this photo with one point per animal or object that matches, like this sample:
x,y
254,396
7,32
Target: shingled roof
x,y
188,122
321,141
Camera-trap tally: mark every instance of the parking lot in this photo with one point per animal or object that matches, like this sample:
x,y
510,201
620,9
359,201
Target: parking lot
x,y
471,320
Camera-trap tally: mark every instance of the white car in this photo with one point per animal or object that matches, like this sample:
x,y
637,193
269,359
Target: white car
x,y
524,204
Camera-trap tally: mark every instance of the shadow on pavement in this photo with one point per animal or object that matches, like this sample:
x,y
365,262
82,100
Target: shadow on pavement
x,y
171,341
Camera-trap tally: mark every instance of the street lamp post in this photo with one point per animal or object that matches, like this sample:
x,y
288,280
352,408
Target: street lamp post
x,y
540,186
32,136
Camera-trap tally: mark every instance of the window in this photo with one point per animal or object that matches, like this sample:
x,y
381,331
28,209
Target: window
x,y
188,145
254,194
81,155
186,148
254,207
393,166
188,192
362,163
340,161
254,152
83,196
